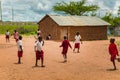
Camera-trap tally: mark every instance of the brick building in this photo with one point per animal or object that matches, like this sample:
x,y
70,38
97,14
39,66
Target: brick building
x,y
90,28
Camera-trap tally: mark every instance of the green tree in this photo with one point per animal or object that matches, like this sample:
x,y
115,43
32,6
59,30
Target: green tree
x,y
119,11
75,8
109,18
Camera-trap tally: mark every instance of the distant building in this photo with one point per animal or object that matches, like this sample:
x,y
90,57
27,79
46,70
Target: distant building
x,y
90,28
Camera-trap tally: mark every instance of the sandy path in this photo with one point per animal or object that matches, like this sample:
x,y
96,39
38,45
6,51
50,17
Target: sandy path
x,y
92,63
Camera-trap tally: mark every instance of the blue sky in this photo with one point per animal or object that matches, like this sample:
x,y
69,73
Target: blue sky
x,y
34,10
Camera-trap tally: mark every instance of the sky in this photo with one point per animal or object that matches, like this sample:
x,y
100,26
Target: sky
x,y
35,10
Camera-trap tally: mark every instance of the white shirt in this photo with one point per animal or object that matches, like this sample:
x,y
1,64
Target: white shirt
x,y
38,45
19,43
7,33
39,32
77,39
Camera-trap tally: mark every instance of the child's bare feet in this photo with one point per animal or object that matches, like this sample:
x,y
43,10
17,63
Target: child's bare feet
x,y
19,62
115,68
43,66
64,61
36,65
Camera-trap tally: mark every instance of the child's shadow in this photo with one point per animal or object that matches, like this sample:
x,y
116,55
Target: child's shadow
x,y
17,63
36,66
111,69
62,62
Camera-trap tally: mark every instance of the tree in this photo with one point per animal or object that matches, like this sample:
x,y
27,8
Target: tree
x,y
75,8
119,11
109,18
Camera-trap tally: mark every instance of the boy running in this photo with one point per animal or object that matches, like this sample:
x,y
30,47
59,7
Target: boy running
x,y
65,44
113,51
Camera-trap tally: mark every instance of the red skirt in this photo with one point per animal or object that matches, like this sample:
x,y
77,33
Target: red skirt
x,y
113,57
20,53
77,45
7,36
39,54
64,51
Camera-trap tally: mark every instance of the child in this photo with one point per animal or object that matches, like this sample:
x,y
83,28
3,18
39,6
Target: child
x,y
65,44
48,37
36,37
20,49
39,51
16,35
113,51
77,42
7,34
39,32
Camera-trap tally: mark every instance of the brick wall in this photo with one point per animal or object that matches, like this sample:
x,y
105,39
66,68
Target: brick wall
x,y
89,33
48,26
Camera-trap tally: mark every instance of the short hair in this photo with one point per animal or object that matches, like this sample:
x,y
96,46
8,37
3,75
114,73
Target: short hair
x,y
40,38
20,37
77,33
65,37
112,40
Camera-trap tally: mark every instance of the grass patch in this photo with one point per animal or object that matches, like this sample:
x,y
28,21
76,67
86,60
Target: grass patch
x,y
26,28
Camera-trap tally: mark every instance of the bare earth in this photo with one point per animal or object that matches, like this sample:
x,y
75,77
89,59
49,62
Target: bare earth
x,y
92,63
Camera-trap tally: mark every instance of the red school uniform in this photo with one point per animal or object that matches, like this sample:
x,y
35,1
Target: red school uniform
x,y
39,54
16,36
20,52
65,45
113,51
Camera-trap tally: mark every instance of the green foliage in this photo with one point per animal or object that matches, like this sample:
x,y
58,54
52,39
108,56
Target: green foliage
x,y
75,8
114,21
118,44
23,28
109,18
119,11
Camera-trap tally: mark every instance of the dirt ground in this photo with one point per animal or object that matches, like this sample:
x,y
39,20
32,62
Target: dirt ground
x,y
92,63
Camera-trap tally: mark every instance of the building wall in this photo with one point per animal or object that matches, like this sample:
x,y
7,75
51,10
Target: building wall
x,y
48,26
89,33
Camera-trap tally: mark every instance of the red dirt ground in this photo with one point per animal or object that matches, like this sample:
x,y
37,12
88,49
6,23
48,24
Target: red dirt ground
x,y
92,63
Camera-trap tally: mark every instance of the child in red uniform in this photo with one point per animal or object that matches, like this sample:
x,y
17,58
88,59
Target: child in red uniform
x,y
7,34
16,35
20,49
113,51
65,44
77,42
39,52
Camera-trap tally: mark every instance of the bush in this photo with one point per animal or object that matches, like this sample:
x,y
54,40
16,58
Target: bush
x,y
26,28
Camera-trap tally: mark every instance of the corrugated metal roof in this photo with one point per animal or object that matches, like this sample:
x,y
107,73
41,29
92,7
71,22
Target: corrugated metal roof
x,y
78,20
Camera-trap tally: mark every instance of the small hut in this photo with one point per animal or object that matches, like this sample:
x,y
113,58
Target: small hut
x,y
90,28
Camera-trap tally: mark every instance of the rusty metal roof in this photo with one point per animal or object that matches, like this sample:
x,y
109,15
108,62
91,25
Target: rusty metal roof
x,y
78,20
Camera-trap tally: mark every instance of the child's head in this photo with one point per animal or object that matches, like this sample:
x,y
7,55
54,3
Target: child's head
x,y
15,31
77,33
38,34
112,40
20,37
65,37
40,39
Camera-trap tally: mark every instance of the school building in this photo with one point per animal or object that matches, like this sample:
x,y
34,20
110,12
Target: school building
x,y
90,28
